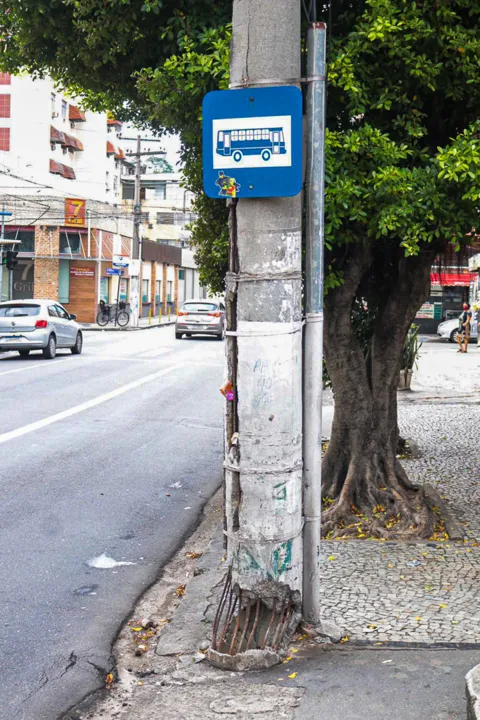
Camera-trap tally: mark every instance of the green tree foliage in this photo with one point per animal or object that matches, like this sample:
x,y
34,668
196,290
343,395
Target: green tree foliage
x,y
159,165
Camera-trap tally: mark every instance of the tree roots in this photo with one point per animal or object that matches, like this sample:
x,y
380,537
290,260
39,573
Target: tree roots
x,y
374,499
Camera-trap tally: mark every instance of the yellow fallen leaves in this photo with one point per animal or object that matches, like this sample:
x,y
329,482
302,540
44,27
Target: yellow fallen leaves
x,y
418,619
442,606
180,591
193,555
331,557
292,676
109,680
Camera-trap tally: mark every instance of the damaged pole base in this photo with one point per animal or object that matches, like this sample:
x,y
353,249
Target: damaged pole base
x,y
252,627
326,631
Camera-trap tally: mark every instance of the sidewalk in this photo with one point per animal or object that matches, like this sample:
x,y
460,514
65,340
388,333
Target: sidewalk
x,y
143,324
409,612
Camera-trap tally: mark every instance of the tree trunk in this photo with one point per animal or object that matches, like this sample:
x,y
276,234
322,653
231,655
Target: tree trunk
x,y
366,492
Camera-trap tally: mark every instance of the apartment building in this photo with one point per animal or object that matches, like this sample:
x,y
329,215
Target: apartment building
x,y
60,170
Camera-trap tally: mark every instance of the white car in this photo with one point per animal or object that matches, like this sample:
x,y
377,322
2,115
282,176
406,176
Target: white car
x,y
449,328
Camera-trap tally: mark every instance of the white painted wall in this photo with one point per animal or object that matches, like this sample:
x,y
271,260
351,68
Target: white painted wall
x,y
30,148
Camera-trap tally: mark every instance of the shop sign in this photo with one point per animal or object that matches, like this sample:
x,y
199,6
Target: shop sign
x,y
82,272
430,311
75,212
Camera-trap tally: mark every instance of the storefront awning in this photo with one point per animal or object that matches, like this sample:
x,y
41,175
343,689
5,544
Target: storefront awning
x,y
111,149
452,279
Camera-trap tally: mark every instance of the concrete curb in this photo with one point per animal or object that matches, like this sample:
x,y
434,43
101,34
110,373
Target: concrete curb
x,y
96,328
473,693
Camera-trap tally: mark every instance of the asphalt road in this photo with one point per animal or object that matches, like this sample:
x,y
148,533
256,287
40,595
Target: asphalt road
x,y
90,446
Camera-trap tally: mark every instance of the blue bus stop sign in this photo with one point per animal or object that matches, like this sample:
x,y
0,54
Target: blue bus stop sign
x,y
252,142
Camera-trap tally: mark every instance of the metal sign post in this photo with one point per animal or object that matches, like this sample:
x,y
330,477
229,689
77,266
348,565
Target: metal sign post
x,y
313,348
4,213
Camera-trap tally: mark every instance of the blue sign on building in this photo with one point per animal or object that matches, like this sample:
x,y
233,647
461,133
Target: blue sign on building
x,y
252,142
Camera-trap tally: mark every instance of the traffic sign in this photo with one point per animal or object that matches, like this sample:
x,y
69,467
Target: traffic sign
x,y
252,142
121,261
114,271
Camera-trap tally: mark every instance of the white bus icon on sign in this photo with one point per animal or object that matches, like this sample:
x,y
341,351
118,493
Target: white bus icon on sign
x,y
256,141
252,142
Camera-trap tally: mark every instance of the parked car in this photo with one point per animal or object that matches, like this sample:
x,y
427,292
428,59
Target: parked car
x,y
201,317
45,325
449,328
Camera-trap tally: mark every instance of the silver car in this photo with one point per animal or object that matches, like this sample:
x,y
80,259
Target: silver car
x,y
201,317
44,325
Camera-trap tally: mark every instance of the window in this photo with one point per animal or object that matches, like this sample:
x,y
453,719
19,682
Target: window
x,y
70,243
200,307
258,134
158,291
128,192
265,135
169,291
241,135
220,136
27,238
64,109
52,311
4,106
235,135
249,134
145,291
5,79
181,274
123,289
19,310
104,284
53,102
64,281
115,183
161,191
4,139
62,313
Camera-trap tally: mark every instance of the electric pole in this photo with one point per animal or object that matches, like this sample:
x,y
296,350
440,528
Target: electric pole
x,y
264,518
137,202
135,279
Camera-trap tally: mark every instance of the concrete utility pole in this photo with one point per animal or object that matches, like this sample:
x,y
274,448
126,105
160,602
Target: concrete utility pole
x,y
264,462
135,280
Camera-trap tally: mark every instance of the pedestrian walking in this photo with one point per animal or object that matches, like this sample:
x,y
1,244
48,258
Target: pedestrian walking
x,y
465,323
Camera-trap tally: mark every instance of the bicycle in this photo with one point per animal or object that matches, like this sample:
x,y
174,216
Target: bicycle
x,y
109,313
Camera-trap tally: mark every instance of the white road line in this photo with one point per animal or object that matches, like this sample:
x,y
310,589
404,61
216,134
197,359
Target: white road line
x,y
86,405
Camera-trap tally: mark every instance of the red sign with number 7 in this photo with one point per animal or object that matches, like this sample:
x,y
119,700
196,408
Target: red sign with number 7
x,y
75,211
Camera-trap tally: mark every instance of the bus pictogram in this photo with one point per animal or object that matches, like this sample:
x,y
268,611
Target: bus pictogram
x,y
266,142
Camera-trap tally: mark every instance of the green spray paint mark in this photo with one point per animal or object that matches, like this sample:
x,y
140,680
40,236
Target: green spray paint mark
x,y
282,559
280,491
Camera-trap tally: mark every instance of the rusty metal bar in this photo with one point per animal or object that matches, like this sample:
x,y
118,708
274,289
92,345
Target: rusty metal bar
x,y
255,623
288,614
228,619
245,627
274,612
280,620
221,606
237,624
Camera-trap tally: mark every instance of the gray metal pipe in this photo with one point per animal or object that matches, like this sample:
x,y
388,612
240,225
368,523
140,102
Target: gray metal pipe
x,y
313,349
